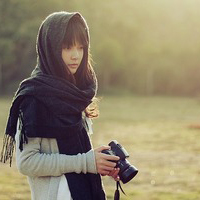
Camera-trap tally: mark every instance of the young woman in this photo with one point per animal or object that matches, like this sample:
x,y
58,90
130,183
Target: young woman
x,y
50,117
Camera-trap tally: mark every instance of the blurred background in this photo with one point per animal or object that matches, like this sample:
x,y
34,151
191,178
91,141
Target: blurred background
x,y
146,56
143,47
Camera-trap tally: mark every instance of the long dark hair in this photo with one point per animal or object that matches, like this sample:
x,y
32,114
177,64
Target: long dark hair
x,y
77,31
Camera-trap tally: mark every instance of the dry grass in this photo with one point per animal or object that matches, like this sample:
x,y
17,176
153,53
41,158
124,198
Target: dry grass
x,y
155,132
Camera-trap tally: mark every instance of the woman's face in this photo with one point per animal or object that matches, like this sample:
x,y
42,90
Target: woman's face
x,y
72,56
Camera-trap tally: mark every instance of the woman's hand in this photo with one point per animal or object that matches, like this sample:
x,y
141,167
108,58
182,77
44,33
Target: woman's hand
x,y
103,162
114,174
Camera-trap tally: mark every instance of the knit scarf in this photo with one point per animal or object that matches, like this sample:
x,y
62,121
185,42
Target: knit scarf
x,y
45,110
47,107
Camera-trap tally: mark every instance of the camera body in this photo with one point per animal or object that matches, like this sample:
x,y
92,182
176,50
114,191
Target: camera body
x,y
127,171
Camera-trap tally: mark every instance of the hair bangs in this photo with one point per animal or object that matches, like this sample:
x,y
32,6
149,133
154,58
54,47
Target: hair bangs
x,y
76,32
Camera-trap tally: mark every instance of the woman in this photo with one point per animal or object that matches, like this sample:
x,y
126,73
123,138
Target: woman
x,y
51,114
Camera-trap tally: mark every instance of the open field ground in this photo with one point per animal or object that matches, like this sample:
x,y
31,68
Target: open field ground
x,y
156,133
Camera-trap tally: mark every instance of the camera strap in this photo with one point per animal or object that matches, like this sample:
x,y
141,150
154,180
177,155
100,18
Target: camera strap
x,y
117,192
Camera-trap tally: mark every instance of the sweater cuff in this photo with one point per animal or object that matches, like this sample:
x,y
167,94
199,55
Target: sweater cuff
x,y
91,163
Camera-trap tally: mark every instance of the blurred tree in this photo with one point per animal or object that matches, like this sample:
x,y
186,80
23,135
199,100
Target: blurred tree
x,y
147,47
20,20
12,15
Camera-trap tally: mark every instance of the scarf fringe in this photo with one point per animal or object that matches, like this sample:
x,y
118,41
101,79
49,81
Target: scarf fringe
x,y
8,149
9,142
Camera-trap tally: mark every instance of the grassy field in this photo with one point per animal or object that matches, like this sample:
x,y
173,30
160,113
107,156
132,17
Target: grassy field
x,y
156,133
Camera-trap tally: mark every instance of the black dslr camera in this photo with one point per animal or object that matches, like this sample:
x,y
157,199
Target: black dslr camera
x,y
127,171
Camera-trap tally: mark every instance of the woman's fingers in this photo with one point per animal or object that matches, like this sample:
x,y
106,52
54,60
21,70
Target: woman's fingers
x,y
105,163
108,163
100,149
108,168
114,174
110,157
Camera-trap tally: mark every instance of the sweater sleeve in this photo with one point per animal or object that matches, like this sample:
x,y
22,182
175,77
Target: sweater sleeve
x,y
31,162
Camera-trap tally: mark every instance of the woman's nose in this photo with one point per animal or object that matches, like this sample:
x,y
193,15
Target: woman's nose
x,y
75,54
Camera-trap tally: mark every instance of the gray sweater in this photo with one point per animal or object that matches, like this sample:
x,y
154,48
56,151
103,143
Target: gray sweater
x,y
44,166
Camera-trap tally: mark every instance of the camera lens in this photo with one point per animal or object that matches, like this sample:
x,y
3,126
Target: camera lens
x,y
128,174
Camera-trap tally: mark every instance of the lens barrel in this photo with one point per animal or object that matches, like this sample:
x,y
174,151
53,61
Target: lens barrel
x,y
128,174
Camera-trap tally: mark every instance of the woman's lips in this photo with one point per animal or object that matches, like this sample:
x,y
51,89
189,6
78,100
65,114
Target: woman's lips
x,y
73,65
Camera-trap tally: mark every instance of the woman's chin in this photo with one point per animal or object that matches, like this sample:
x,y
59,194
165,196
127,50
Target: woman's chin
x,y
73,71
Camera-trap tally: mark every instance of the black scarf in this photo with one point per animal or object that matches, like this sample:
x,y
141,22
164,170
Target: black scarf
x,y
49,106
